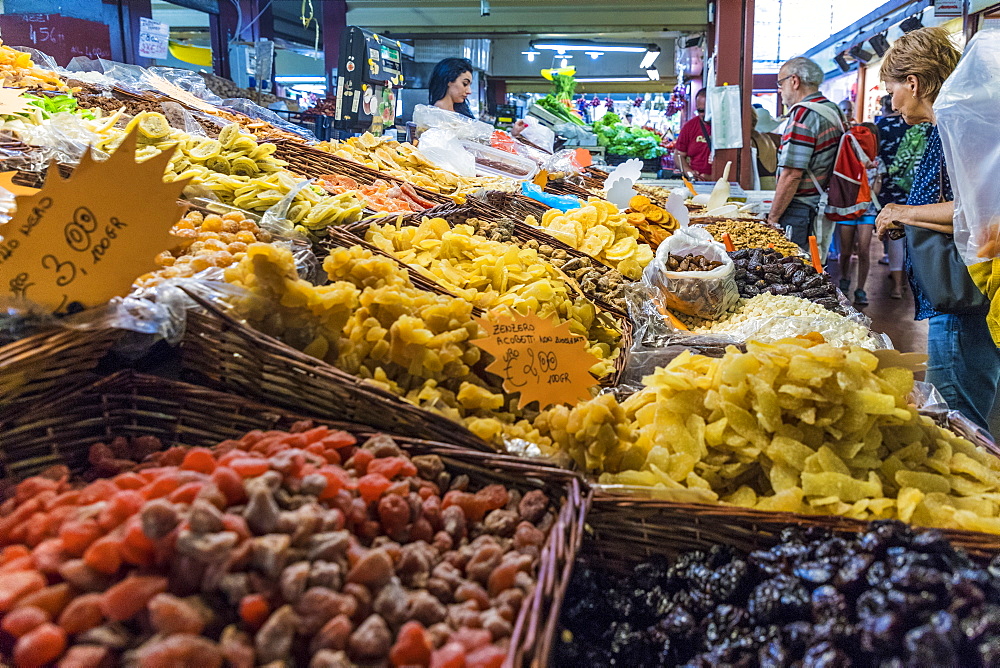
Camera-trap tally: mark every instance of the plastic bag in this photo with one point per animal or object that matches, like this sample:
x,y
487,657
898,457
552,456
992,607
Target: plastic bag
x,y
538,134
726,117
562,164
561,202
182,119
253,110
428,117
445,150
966,111
706,294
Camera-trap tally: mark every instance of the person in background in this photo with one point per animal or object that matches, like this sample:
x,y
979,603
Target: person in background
x,y
693,149
892,128
963,361
847,107
808,149
451,85
767,149
628,119
856,235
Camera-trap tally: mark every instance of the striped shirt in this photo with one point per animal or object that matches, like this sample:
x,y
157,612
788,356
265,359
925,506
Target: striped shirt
x,y
810,142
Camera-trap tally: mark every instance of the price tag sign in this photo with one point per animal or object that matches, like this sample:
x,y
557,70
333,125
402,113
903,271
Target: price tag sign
x,y
542,361
12,101
154,38
87,238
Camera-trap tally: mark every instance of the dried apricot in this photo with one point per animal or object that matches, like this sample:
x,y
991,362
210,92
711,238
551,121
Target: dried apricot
x,y
82,614
131,595
452,655
17,584
413,646
170,614
372,486
77,535
198,459
103,555
181,650
85,656
391,467
20,621
51,599
42,645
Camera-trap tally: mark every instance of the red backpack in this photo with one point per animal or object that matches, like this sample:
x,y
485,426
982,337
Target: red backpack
x,y
849,193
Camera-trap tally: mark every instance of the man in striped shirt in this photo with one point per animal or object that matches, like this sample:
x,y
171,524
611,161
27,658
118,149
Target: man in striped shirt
x,y
808,149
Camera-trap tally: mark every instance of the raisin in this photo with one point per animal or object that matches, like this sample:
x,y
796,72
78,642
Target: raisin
x,y
373,569
371,641
333,635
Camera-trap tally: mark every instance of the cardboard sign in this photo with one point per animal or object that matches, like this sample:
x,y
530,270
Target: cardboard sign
x,y
7,183
87,238
12,101
154,38
542,361
915,362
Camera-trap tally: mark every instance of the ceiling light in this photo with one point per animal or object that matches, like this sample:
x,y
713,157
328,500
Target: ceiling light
x,y
586,45
612,79
842,62
531,55
299,80
595,54
880,43
563,63
650,57
653,74
911,24
859,54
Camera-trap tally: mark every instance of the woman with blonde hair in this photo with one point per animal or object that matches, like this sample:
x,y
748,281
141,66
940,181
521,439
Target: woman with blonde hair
x,y
963,362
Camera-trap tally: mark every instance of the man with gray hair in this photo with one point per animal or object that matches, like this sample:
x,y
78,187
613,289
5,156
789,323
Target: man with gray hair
x,y
808,151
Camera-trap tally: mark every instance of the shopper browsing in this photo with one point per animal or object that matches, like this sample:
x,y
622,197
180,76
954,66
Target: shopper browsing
x,y
855,235
693,150
964,362
808,149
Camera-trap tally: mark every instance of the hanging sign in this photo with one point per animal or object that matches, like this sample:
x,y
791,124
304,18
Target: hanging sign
x,y
947,8
85,239
154,38
542,361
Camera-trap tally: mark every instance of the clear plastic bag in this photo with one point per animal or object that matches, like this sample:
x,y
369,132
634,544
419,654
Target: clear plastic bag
x,y
705,294
562,164
253,110
446,151
966,111
182,119
538,134
427,117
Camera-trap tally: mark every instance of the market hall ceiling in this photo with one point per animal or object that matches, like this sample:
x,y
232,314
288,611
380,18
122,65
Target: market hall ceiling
x,y
426,18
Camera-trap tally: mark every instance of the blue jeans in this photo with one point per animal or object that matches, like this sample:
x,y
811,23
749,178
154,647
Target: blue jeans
x,y
964,364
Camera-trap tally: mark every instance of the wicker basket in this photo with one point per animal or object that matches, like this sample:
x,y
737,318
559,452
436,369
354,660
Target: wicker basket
x,y
53,361
129,404
625,531
221,353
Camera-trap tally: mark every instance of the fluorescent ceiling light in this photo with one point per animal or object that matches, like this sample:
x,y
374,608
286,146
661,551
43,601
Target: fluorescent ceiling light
x,y
612,79
650,57
300,80
653,74
585,45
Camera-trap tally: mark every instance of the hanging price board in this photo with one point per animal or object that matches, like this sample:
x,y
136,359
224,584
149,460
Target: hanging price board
x,y
542,361
87,238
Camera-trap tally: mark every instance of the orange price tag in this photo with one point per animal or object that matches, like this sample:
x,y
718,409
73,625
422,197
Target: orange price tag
x,y
7,183
584,158
542,361
12,102
85,239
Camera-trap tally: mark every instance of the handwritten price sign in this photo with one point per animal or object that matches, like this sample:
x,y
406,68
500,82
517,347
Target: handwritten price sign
x,y
87,238
542,361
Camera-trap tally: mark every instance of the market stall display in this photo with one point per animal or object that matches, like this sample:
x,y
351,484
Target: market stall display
x,y
719,374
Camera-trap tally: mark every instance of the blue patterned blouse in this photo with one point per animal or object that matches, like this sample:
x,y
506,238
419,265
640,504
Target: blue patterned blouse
x,y
927,189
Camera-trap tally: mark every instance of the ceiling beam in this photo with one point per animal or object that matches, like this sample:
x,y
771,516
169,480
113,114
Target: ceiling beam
x,y
436,17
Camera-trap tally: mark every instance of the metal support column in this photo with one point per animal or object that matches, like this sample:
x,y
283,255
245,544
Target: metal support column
x,y
334,23
733,39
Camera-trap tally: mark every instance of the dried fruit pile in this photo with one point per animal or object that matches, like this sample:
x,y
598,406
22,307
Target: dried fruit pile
x,y
302,548
493,274
207,241
381,196
765,270
887,597
799,425
18,71
601,231
654,222
750,234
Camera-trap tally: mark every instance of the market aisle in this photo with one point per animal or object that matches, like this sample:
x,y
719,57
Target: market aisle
x,y
892,316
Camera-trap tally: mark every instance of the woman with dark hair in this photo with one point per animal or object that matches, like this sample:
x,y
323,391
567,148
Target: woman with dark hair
x,y
451,84
964,362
